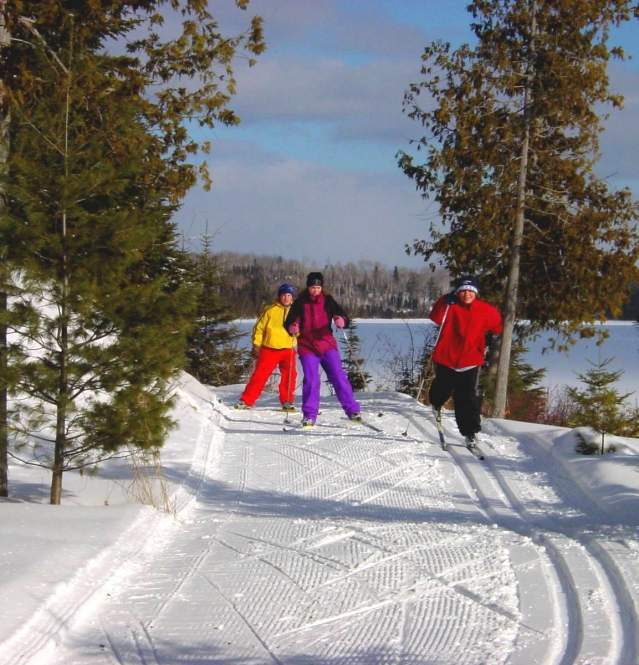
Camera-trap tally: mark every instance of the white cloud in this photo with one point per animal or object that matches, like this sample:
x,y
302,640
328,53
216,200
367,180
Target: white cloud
x,y
300,210
353,27
620,140
334,73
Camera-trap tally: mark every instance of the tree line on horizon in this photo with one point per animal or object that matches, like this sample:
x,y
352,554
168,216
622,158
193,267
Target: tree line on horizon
x,y
368,289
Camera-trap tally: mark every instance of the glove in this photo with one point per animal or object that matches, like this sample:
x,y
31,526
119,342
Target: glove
x,y
492,349
256,351
451,298
339,321
294,328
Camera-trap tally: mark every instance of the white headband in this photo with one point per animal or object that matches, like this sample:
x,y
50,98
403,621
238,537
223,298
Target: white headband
x,y
467,287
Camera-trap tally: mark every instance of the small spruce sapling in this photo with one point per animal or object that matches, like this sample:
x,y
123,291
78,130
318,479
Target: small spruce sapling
x,y
601,407
352,361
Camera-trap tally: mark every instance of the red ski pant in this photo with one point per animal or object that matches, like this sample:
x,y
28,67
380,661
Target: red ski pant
x,y
267,361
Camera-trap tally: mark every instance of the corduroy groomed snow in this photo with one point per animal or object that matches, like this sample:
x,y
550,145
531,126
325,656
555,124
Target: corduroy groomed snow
x,y
468,283
315,279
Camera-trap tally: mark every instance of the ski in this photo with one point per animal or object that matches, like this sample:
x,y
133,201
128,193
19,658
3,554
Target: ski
x,y
440,430
379,430
289,426
474,449
298,428
301,428
365,423
442,441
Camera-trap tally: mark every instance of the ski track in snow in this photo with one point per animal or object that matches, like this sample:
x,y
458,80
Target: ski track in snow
x,y
592,573
343,546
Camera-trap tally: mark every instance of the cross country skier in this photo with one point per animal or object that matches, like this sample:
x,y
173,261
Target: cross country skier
x,y
464,322
273,346
310,317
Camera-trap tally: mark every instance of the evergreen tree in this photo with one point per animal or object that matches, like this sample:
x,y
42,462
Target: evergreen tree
x,y
600,406
98,332
526,398
97,166
511,140
213,354
630,310
352,362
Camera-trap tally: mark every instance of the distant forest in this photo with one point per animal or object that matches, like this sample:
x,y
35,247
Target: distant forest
x,y
367,289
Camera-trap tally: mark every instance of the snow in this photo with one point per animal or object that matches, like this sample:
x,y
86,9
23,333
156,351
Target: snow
x,y
338,545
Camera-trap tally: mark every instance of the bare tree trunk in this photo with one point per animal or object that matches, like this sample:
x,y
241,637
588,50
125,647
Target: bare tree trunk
x,y
4,153
58,458
512,285
63,336
4,412
63,380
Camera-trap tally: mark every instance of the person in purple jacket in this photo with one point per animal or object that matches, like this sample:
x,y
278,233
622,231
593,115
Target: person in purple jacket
x,y
310,318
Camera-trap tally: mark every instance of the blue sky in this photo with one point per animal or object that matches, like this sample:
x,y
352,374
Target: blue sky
x,y
311,172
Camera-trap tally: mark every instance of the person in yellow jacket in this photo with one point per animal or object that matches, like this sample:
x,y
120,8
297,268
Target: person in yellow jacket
x,y
273,347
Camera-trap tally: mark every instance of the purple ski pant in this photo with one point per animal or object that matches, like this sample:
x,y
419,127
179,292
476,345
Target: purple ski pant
x,y
332,365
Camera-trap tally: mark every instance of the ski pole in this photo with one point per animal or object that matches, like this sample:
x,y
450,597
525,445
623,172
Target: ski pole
x,y
479,394
419,392
421,383
420,386
288,387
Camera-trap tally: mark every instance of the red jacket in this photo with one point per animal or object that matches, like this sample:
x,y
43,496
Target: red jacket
x,y
462,340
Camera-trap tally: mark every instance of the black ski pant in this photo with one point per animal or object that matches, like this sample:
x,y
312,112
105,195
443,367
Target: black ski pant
x,y
463,387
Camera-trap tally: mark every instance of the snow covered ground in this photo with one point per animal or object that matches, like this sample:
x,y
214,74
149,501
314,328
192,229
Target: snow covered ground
x,y
340,546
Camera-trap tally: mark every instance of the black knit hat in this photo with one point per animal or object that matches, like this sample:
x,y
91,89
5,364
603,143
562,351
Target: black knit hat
x,y
314,279
467,283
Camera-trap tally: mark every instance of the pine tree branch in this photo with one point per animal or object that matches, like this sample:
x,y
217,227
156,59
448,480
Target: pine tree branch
x,y
38,393
29,461
46,139
29,25
90,385
95,461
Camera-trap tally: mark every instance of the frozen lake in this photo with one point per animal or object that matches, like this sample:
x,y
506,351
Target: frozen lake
x,y
381,340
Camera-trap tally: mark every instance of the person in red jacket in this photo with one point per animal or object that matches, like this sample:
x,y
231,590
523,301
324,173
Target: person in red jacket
x,y
459,352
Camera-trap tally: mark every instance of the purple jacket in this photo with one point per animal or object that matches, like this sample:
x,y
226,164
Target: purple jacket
x,y
314,317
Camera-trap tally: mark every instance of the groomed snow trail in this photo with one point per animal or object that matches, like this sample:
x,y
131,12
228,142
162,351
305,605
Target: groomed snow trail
x,y
592,554
341,546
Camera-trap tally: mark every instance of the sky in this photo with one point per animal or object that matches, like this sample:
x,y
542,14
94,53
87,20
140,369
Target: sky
x,y
311,172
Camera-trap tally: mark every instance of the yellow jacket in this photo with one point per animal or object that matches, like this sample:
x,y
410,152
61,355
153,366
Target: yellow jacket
x,y
269,328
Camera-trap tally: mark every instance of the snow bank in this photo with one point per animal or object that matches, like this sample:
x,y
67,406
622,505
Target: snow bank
x,y
611,482
53,558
